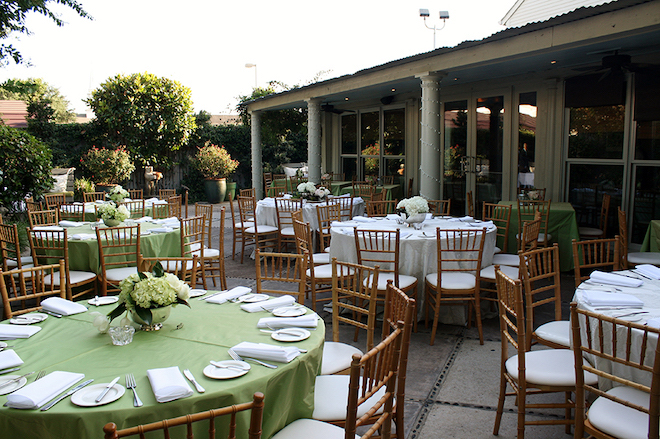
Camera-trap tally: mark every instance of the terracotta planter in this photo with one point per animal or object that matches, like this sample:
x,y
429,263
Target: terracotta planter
x,y
215,189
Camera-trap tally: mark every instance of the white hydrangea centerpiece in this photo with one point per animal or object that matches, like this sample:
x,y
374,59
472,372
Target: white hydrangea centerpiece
x,y
310,192
117,194
412,206
110,211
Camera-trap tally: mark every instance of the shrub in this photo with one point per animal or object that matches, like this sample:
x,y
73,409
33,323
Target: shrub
x,y
82,186
214,161
25,165
107,166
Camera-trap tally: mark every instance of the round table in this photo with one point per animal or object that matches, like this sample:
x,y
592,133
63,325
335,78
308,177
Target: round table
x,y
267,214
417,251
72,344
90,210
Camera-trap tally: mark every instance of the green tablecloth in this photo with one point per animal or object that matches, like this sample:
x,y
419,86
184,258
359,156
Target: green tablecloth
x,y
392,191
337,186
73,344
562,225
652,239
84,255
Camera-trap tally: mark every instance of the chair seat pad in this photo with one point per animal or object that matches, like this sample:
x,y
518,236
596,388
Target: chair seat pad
x,y
542,237
26,274
119,274
589,231
25,260
558,332
209,253
652,258
321,258
286,231
453,281
337,357
506,259
177,265
618,420
488,273
327,250
331,396
550,367
405,281
74,277
307,428
239,225
262,228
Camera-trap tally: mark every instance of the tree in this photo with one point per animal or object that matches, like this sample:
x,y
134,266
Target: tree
x,y
12,20
45,102
152,116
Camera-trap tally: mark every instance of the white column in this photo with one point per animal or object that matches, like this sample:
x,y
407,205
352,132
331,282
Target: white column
x,y
430,168
257,167
314,139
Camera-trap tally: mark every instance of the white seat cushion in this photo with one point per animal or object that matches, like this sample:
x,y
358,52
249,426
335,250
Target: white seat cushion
x,y
25,260
558,332
542,237
262,228
286,231
327,250
209,253
321,272
27,274
337,357
618,420
453,281
74,277
119,274
506,259
488,273
652,258
177,265
331,397
552,367
321,258
308,428
589,231
239,225
405,281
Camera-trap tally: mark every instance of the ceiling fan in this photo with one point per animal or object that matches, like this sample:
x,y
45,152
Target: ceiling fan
x,y
331,108
614,65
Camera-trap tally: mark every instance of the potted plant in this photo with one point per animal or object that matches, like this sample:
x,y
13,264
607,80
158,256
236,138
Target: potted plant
x,y
215,164
107,167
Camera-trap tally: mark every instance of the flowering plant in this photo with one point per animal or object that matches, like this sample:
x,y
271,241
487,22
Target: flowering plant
x,y
412,206
214,161
326,177
110,211
141,292
117,194
107,166
310,192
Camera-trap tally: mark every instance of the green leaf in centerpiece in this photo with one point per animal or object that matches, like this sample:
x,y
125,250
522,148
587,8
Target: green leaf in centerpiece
x,y
182,302
158,270
144,314
142,275
117,311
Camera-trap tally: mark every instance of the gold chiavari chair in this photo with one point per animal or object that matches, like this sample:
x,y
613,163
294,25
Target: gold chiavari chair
x,y
136,194
164,194
90,197
43,218
53,201
26,288
135,207
281,273
119,248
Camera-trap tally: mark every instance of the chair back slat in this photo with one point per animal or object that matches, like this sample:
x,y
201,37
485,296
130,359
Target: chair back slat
x,y
26,287
595,254
500,215
276,271
440,207
135,207
71,212
43,218
90,197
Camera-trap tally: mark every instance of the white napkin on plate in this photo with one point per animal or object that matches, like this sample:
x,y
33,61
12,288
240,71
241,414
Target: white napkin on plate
x,y
82,236
66,223
305,321
362,219
9,358
229,295
62,306
649,270
144,219
168,384
39,392
268,305
601,298
614,279
12,332
161,230
266,352
169,220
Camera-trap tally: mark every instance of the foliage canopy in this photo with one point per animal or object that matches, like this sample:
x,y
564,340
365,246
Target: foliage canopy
x,y
45,102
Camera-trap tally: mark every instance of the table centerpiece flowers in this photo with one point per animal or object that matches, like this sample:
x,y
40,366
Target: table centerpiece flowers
x,y
148,297
413,210
310,192
117,194
112,215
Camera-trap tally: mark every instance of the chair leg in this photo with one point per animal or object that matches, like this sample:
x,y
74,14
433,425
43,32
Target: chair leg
x,y
500,405
477,308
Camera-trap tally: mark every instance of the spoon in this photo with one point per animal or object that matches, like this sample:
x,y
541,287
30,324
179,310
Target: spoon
x,y
226,366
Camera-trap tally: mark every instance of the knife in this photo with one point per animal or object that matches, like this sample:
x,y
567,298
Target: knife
x,y
69,393
190,376
51,313
212,295
110,384
6,383
13,369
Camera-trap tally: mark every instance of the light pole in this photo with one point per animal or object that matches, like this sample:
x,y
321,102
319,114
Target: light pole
x,y
444,16
249,66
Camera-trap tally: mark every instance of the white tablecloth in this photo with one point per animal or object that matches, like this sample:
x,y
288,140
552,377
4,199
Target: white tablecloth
x,y
649,293
266,213
417,253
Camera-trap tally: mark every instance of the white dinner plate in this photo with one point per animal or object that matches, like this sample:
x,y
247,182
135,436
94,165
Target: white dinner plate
x,y
13,386
3,345
197,293
103,300
28,319
629,318
290,334
289,311
234,369
252,298
86,397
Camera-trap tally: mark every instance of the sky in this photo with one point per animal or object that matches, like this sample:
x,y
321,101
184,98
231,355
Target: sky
x,y
205,44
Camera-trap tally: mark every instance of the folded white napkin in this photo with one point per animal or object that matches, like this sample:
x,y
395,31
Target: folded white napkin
x,y
482,224
266,352
62,306
82,236
649,270
161,230
429,216
12,332
305,321
65,223
159,202
169,220
168,384
653,323
229,295
287,196
614,279
268,305
144,219
393,216
154,200
601,298
462,219
39,392
362,219
55,228
9,358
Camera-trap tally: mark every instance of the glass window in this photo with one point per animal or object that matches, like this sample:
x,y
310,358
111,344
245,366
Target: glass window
x,y
455,160
646,203
596,132
490,139
647,141
394,132
349,134
526,139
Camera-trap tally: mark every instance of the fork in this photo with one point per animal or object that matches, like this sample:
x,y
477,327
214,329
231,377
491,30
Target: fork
x,y
40,375
237,357
130,383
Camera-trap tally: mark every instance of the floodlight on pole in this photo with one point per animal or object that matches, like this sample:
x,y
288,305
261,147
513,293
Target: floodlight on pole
x,y
444,16
249,66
